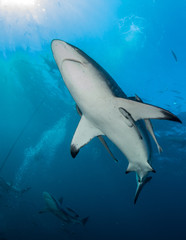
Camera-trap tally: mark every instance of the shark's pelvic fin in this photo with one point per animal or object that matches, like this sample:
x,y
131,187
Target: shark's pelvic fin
x,y
83,134
140,186
140,110
132,168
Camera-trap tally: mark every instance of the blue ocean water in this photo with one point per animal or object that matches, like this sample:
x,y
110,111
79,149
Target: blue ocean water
x,y
142,45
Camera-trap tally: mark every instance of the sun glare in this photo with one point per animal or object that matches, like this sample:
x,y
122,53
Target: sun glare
x,y
20,3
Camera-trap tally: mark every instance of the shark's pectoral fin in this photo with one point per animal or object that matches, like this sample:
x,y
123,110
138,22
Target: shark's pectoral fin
x,y
139,110
83,134
140,185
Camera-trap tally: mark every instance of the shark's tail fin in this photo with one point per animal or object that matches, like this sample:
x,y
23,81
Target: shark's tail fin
x,y
84,220
140,186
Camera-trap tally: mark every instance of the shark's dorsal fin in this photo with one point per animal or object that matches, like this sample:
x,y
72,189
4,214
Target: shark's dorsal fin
x,y
84,133
140,110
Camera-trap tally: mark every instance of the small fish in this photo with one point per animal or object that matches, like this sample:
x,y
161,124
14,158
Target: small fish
x,y
174,55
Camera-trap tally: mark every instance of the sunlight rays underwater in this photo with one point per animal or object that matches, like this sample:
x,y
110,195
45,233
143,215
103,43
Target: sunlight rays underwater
x,y
29,26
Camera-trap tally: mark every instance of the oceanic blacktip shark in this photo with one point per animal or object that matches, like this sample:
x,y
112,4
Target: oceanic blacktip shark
x,y
66,215
106,110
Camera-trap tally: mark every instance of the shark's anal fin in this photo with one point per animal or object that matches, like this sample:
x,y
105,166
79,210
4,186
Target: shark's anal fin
x,y
83,134
139,110
128,116
140,185
107,148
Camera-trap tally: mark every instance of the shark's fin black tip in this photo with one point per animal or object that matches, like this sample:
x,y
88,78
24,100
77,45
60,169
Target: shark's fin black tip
x,y
171,117
74,151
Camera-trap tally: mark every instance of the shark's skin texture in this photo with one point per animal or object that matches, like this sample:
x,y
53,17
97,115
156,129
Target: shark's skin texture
x,y
105,108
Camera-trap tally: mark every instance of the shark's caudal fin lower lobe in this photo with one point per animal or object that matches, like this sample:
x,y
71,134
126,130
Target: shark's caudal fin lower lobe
x,y
139,188
84,220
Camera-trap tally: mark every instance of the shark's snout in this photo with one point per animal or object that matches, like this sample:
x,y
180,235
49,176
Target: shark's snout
x,y
61,51
46,195
58,44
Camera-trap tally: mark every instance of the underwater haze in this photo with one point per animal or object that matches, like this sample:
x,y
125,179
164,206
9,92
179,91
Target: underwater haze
x,y
142,45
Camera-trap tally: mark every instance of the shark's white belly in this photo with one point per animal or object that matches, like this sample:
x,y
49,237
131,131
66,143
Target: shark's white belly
x,y
97,103
113,125
84,83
